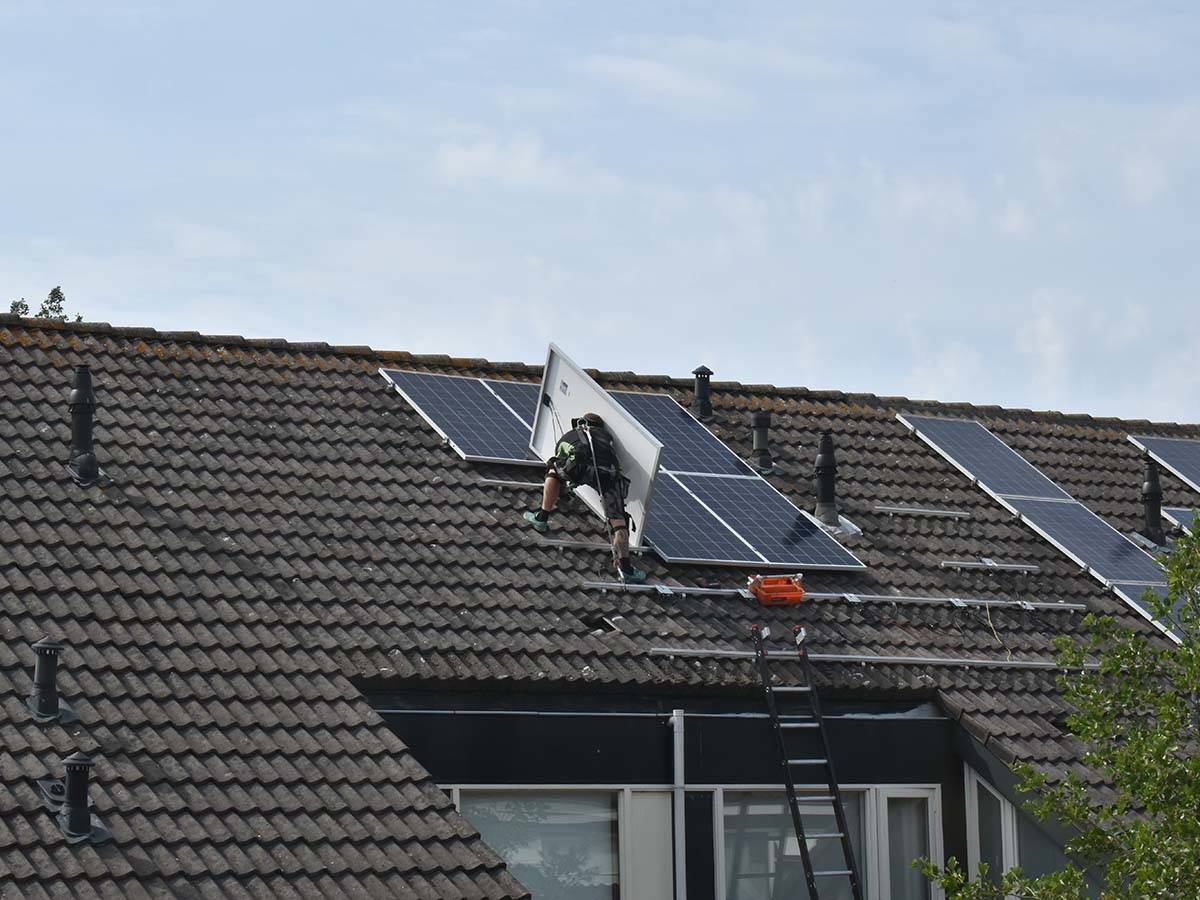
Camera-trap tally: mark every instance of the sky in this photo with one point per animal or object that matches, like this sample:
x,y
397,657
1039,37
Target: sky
x,y
990,202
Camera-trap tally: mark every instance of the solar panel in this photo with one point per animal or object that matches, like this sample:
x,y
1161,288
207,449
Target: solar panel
x,y
521,397
780,532
1179,455
1133,593
687,445
1089,540
739,518
682,530
1182,516
467,414
983,456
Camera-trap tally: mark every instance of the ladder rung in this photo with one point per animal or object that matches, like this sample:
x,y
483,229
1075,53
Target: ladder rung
x,y
824,837
831,873
815,799
792,689
799,725
807,762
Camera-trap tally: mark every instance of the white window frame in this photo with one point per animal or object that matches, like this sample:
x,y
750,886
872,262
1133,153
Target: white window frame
x,y
623,794
875,838
1009,842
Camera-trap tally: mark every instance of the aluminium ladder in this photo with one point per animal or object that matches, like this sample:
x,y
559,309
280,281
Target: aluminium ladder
x,y
794,724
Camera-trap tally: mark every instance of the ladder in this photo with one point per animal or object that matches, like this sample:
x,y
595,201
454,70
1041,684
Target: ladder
x,y
787,725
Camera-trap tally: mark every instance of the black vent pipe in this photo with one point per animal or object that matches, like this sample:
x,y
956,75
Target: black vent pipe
x,y
701,394
1152,503
82,404
43,699
825,481
760,431
76,814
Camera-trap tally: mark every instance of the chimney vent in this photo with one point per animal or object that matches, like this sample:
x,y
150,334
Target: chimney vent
x,y
825,481
75,813
82,404
701,396
760,431
43,701
1152,503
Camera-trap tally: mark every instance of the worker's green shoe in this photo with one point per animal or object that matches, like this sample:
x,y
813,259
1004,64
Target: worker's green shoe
x,y
538,524
630,573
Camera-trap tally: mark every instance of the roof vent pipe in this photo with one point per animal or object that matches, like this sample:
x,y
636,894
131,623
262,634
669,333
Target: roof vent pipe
x,y
76,815
701,395
43,699
82,404
1152,503
825,481
760,429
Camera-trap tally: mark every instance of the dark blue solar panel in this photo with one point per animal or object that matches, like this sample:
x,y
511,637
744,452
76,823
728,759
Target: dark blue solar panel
x,y
687,445
765,518
682,530
1179,455
1185,517
520,395
986,457
467,414
1090,540
1135,594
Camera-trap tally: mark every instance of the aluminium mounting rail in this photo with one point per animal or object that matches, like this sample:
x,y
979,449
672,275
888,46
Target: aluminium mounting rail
x,y
866,658
902,599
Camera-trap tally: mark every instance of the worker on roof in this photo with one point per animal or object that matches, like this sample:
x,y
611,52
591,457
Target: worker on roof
x,y
587,454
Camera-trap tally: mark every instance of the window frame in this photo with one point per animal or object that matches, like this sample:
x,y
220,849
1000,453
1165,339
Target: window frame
x,y
875,839
1010,847
875,825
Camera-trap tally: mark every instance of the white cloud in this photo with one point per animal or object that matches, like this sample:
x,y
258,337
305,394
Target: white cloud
x,y
1014,220
1145,179
814,201
518,162
660,84
923,200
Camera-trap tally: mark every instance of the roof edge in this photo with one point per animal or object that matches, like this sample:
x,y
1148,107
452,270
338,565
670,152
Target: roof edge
x,y
962,408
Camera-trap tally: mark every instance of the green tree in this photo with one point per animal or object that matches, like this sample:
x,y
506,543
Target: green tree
x,y
1138,718
53,305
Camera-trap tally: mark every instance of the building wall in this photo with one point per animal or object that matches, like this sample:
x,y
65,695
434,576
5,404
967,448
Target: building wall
x,y
485,741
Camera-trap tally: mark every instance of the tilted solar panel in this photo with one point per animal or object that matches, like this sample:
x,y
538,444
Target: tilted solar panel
x,y
521,397
779,531
467,414
1090,541
983,456
1180,455
687,445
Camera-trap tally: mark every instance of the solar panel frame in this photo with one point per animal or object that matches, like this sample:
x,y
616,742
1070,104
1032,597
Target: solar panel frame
x,y
688,446
1174,454
1011,474
1182,516
1076,530
752,507
420,390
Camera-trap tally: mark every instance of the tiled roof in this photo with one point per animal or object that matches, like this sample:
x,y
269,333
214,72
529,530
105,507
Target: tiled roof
x,y
280,524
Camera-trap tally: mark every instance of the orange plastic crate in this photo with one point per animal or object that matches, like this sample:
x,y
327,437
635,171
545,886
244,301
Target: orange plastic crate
x,y
777,590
